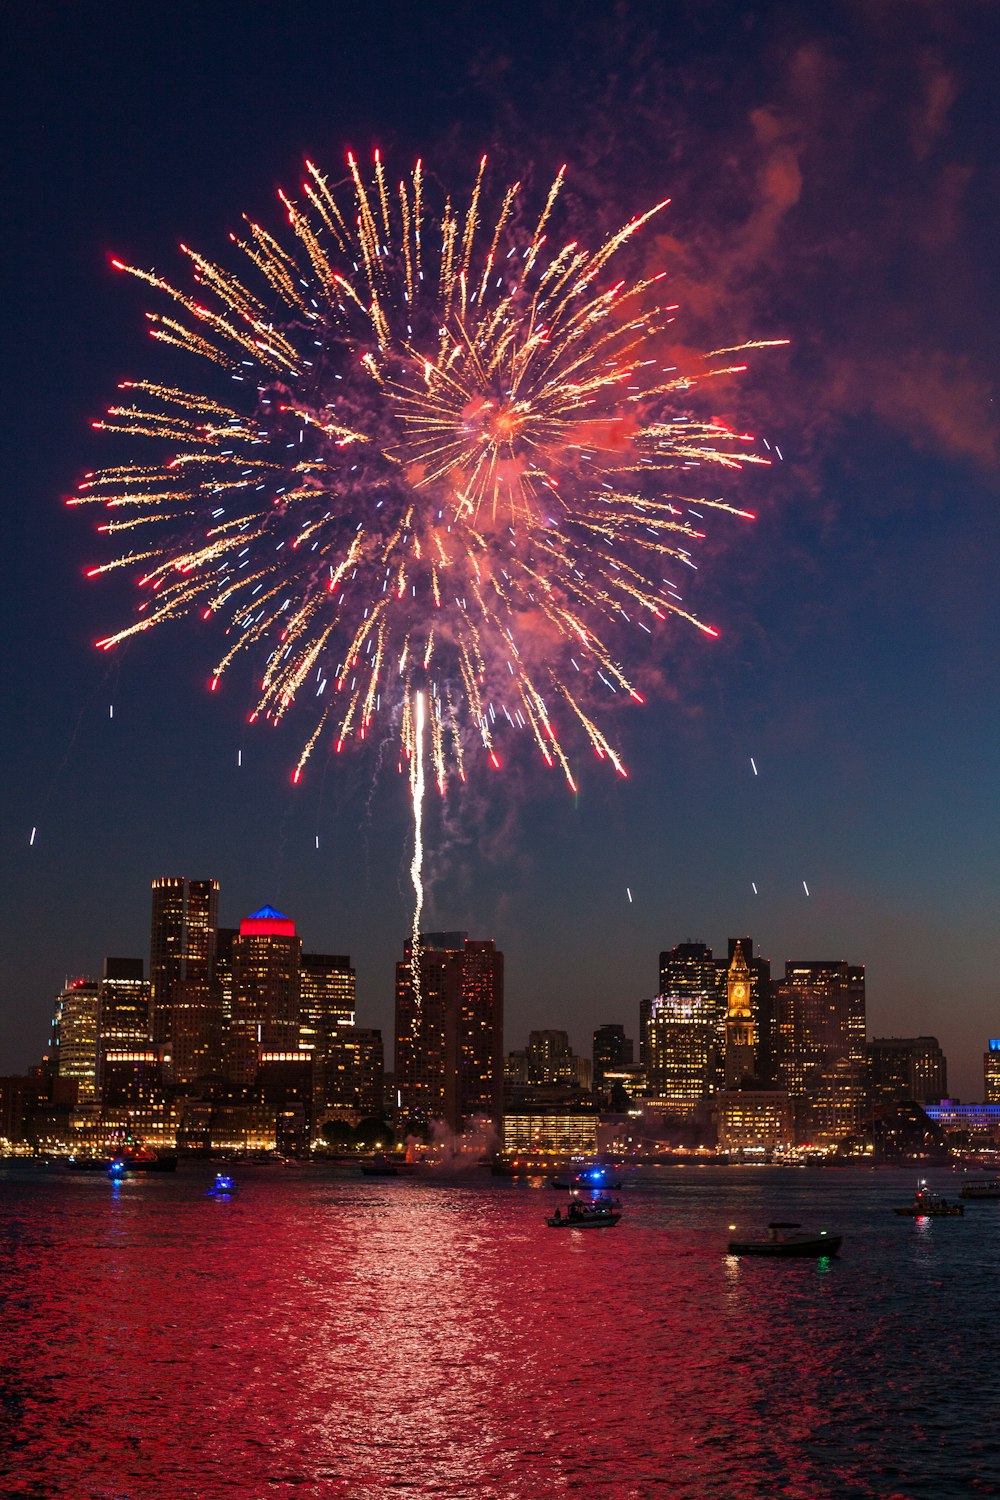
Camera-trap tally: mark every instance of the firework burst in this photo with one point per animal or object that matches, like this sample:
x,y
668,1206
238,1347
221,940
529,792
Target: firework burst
x,y
448,477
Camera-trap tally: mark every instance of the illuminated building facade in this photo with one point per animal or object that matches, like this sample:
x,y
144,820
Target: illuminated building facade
x,y
185,1002
449,1044
991,1071
681,1029
75,1037
905,1068
327,999
549,1132
740,1056
682,1046
123,1011
131,1077
265,1003
819,1046
753,1120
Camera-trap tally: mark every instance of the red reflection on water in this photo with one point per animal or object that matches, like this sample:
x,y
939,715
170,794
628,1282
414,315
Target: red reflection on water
x,y
351,1340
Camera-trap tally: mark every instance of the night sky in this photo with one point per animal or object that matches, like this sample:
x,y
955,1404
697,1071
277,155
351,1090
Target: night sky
x,y
835,178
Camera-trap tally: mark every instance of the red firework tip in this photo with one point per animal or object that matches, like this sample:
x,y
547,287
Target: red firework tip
x,y
119,265
495,762
213,684
296,776
638,696
104,645
340,746
92,573
621,771
251,718
709,630
572,784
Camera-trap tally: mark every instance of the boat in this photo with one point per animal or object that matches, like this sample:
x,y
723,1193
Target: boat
x,y
380,1166
224,1186
601,1214
591,1179
133,1158
928,1205
989,1188
87,1163
785,1239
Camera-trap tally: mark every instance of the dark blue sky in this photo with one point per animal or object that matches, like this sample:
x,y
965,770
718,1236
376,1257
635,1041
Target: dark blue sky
x,y
833,180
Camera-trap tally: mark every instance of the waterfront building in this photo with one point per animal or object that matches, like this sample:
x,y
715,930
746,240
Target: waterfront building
x,y
977,1123
991,1071
754,1120
557,1131
265,1003
185,1003
449,1039
75,1037
904,1068
612,1049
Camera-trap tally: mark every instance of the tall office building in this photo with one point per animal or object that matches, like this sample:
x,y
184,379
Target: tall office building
x,y
123,1019
75,1037
683,1029
991,1071
899,1068
612,1049
682,1050
819,1045
449,1041
265,993
327,1005
186,1007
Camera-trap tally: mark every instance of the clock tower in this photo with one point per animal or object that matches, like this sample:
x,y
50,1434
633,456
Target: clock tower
x,y
740,1060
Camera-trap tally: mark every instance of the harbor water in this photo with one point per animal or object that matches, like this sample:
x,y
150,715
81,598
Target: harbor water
x,y
320,1334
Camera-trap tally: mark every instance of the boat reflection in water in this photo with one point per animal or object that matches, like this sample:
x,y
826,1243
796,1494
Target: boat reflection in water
x,y
785,1239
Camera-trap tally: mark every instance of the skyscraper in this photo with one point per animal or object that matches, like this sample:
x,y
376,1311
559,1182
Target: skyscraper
x,y
123,1021
991,1071
819,1052
74,1037
265,1003
449,1043
328,997
186,1010
683,1029
899,1068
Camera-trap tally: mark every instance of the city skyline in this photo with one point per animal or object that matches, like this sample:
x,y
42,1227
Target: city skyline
x,y
821,773
697,959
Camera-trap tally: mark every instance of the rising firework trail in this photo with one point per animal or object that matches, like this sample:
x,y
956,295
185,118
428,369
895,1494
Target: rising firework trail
x,y
434,457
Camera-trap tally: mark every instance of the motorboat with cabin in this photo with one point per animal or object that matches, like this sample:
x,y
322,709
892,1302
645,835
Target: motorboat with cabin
x,y
785,1239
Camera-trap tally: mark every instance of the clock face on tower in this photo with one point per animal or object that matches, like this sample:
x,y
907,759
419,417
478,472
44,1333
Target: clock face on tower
x,y
739,991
